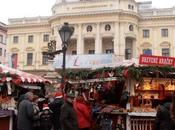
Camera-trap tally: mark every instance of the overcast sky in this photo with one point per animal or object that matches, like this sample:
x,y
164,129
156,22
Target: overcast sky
x,y
29,8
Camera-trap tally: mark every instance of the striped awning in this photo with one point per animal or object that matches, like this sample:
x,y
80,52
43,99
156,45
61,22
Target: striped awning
x,y
21,76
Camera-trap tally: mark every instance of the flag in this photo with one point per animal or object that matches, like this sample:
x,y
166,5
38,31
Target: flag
x,y
14,60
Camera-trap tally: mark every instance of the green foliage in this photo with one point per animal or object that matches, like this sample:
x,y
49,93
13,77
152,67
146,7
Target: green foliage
x,y
134,72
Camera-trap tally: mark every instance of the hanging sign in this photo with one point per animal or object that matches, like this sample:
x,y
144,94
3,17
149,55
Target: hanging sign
x,y
83,61
156,60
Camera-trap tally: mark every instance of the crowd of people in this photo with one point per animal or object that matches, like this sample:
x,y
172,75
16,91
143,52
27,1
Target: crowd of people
x,y
62,113
67,112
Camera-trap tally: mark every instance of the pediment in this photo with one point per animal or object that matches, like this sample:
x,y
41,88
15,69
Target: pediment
x,y
45,48
146,45
14,49
165,44
30,49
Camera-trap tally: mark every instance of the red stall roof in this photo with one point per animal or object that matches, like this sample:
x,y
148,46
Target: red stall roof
x,y
23,76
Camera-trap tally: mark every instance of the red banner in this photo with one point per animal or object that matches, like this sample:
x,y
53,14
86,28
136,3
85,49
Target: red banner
x,y
156,60
14,60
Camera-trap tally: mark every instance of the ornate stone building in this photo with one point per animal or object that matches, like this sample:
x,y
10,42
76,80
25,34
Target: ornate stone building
x,y
3,37
122,27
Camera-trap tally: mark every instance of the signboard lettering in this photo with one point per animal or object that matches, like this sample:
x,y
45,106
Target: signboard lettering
x,y
156,60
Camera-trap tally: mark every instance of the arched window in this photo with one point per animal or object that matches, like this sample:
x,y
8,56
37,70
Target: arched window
x,y
131,28
107,27
89,28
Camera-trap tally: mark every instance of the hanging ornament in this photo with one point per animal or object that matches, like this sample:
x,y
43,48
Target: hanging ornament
x,y
106,74
1,70
16,81
125,73
9,89
97,75
111,74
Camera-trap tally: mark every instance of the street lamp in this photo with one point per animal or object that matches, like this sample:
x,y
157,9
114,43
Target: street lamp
x,y
65,33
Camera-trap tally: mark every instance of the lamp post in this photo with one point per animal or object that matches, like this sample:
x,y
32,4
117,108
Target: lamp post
x,y
65,33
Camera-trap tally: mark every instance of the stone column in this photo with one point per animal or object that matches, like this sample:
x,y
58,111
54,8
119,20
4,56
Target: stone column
x,y
122,40
22,54
116,39
173,45
56,36
80,41
98,40
156,48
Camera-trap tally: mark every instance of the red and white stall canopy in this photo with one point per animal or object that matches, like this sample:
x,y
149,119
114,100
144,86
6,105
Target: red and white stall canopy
x,y
18,76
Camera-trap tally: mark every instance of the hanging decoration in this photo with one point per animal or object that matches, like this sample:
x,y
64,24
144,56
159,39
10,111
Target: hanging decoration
x,y
133,72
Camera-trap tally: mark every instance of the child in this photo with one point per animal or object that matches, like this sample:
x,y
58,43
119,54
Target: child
x,y
45,118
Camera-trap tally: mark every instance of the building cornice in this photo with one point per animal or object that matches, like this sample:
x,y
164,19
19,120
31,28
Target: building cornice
x,y
3,27
92,13
163,17
27,25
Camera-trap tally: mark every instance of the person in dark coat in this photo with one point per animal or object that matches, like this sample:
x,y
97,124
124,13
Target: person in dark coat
x,y
163,117
46,118
55,107
25,113
68,116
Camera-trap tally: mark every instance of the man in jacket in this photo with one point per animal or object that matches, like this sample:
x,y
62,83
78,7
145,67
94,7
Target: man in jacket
x,y
68,116
163,117
25,112
55,107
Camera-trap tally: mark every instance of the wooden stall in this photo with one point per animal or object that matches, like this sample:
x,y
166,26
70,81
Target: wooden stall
x,y
14,83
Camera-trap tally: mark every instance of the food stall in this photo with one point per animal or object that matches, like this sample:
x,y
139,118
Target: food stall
x,y
13,83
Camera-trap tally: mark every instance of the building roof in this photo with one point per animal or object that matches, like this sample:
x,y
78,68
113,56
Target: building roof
x,y
3,27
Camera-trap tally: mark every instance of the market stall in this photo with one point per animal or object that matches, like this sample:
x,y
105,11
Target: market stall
x,y
145,85
14,83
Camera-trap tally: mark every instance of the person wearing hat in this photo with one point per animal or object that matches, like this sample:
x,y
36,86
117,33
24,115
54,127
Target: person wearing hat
x,y
55,107
68,116
46,118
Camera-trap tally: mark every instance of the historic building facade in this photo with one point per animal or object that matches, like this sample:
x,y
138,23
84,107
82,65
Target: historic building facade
x,y
122,27
3,37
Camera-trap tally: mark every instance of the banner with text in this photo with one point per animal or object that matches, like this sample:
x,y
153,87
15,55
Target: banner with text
x,y
156,60
83,61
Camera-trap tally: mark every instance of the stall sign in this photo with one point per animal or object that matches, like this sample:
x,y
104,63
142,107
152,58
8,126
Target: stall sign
x,y
156,60
83,61
31,87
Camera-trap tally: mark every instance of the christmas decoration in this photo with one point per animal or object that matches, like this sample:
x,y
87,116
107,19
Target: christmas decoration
x,y
133,72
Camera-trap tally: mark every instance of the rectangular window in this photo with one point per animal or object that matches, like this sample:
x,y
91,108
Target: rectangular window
x,y
1,39
91,52
30,38
128,54
45,59
29,58
15,39
0,51
5,53
74,52
46,38
145,33
165,52
164,32
109,51
147,52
